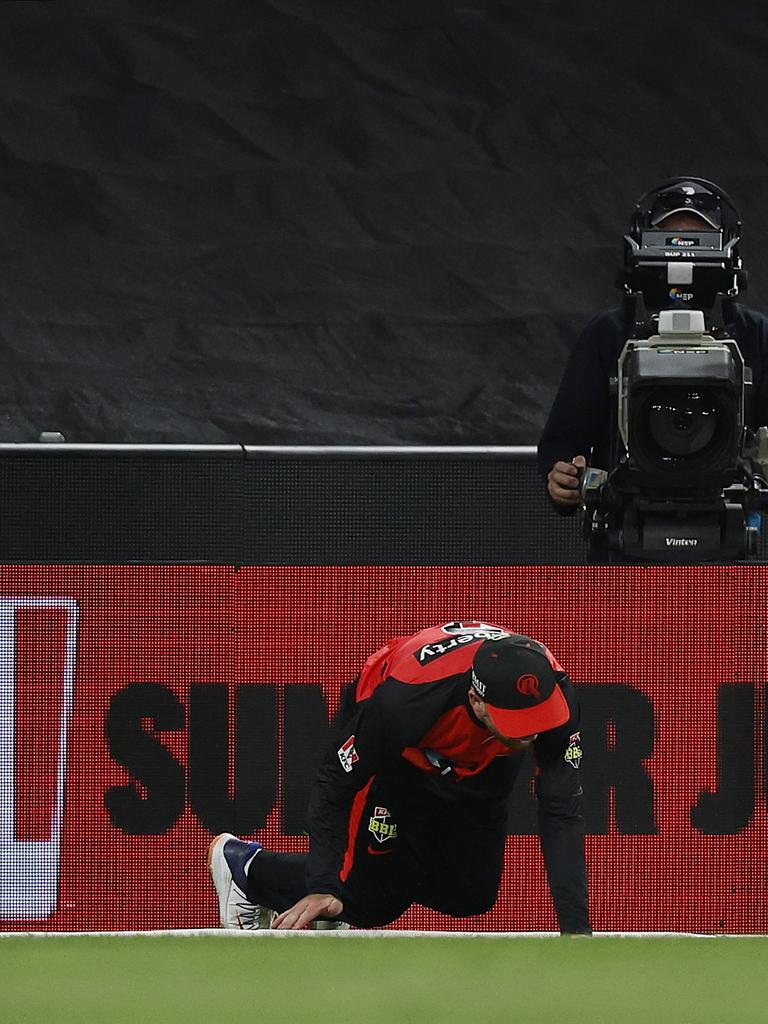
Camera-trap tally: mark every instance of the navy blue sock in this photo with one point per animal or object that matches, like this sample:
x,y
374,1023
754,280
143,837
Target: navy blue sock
x,y
277,880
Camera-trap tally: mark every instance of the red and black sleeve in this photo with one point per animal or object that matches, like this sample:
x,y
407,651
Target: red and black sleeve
x,y
363,744
561,825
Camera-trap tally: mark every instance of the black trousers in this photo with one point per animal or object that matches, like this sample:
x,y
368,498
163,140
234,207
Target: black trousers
x,y
403,848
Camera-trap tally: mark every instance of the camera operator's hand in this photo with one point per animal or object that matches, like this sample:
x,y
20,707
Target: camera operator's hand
x,y
563,481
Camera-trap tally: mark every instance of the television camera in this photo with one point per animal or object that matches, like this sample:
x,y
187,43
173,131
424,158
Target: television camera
x,y
688,478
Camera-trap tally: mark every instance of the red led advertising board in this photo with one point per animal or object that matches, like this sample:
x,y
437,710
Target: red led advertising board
x,y
144,709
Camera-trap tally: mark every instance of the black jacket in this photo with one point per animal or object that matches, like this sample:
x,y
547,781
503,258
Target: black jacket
x,y
579,421
410,699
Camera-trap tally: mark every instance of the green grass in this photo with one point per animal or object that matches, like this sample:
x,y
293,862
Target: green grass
x,y
346,980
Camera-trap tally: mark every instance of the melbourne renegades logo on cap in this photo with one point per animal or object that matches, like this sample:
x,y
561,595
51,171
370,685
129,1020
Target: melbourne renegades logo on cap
x,y
528,686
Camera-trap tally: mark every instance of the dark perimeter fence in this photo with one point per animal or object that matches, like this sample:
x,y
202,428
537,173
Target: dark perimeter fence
x,y
232,504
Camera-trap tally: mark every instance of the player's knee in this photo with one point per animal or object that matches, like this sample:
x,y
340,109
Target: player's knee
x,y
363,914
469,904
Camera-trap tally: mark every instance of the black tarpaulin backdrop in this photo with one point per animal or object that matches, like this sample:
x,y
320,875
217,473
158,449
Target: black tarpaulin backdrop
x,y
341,222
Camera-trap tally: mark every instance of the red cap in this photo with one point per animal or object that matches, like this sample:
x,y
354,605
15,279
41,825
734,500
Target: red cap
x,y
519,686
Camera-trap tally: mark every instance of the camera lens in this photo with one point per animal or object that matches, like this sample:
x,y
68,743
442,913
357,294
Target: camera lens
x,y
682,422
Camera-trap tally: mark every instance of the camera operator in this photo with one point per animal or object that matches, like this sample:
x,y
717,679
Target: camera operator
x,y
578,430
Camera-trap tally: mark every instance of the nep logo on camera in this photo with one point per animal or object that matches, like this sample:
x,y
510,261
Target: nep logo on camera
x,y
683,242
680,296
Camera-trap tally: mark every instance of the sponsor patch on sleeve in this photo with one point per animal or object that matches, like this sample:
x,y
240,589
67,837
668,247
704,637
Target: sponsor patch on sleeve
x,y
573,753
347,754
381,825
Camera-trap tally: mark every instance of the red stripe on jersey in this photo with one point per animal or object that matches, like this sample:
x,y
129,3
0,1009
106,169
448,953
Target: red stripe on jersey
x,y
355,817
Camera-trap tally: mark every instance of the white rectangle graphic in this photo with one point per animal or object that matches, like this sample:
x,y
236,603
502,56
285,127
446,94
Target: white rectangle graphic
x,y
30,870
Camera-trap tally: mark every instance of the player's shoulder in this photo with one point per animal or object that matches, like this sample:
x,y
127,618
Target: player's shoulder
x,y
439,652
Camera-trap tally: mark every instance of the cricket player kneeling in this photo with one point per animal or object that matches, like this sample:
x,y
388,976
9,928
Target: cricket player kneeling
x,y
410,803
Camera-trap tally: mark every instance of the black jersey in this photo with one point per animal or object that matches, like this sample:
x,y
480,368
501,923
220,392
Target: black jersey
x,y
409,719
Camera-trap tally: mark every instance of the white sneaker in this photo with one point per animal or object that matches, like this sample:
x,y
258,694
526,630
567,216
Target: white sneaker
x,y
227,859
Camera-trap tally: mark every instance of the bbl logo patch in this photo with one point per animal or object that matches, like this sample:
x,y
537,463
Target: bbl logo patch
x,y
347,754
380,826
574,752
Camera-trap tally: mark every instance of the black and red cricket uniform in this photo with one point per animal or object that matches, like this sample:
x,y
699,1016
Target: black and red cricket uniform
x,y
410,802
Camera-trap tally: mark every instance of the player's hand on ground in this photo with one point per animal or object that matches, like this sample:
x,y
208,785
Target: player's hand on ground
x,y
563,481
307,910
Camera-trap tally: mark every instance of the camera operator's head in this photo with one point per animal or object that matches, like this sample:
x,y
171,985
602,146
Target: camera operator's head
x,y
682,247
683,198
683,222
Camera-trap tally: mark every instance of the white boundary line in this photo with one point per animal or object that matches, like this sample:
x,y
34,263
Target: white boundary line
x,y
363,934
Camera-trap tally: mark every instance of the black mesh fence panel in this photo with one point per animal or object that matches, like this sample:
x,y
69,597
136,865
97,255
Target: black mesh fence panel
x,y
283,509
